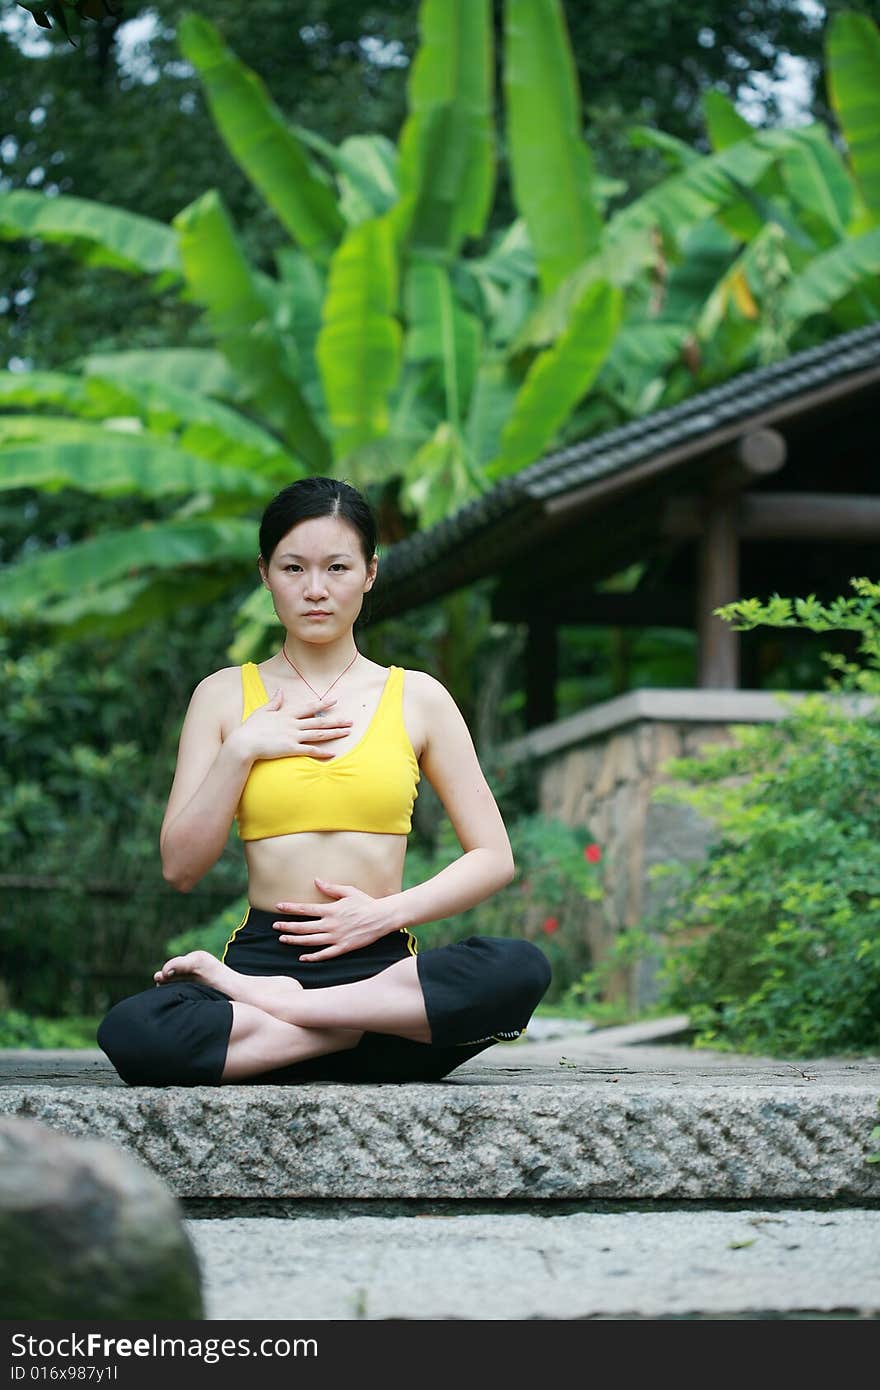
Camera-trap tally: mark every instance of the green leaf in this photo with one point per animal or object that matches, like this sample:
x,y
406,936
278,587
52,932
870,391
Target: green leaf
x,y
201,426
195,369
817,180
832,275
220,278
297,309
438,480
678,153
89,565
359,345
260,141
551,164
440,331
366,169
558,378
447,157
114,609
491,403
682,201
109,464
723,122
101,235
853,62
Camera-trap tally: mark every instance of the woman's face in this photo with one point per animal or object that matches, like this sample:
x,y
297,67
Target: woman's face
x,y
317,576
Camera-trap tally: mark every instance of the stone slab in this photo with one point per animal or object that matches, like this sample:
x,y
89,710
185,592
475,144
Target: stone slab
x,y
652,1264
574,1119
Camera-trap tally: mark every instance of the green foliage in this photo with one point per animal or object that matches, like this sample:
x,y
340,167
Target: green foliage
x,y
860,614
212,935
87,750
772,943
20,1030
399,337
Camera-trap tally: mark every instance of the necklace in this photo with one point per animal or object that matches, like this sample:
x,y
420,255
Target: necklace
x,y
309,684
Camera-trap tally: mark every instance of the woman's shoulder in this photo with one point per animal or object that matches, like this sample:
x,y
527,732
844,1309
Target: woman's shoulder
x,y
426,689
217,699
218,682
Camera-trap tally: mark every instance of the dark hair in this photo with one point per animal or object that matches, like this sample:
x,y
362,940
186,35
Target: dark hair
x,y
313,497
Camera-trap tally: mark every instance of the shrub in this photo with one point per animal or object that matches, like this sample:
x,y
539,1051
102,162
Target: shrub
x,y
771,944
21,1030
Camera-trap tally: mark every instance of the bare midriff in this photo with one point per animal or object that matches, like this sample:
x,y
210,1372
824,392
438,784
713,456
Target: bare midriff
x,y
284,867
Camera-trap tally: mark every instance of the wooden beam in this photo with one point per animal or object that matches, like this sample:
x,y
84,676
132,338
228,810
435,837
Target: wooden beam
x,y
717,583
833,516
760,452
642,608
542,665
716,442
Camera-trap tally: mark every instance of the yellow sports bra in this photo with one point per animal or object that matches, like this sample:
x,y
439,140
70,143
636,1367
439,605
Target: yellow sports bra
x,y
370,787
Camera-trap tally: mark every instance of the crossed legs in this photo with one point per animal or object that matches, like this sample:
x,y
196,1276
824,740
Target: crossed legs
x,y
277,1022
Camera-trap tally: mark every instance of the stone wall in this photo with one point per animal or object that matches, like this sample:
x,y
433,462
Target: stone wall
x,y
599,769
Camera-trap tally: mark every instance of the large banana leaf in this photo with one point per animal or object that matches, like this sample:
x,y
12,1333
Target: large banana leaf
x,y
438,479
551,164
676,206
109,464
49,388
677,153
440,331
499,286
201,426
853,50
366,171
220,278
298,303
260,140
832,275
203,370
819,185
447,157
682,201
726,127
112,610
100,235
358,348
89,565
491,403
633,374
723,122
558,378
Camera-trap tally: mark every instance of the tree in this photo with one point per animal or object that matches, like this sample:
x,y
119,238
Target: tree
x,y
119,119
383,346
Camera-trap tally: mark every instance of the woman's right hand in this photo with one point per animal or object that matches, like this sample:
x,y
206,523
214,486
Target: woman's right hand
x,y
280,730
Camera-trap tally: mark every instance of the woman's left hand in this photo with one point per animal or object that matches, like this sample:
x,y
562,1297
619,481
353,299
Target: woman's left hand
x,y
353,920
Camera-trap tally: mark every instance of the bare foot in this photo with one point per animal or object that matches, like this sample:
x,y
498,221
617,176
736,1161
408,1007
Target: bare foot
x,y
274,994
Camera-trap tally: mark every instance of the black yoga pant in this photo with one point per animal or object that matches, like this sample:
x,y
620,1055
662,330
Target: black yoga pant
x,y
477,992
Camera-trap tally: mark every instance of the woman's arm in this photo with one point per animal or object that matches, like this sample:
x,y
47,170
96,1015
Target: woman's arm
x,y
208,782
450,763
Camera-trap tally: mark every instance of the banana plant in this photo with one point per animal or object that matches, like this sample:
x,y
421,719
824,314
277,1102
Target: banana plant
x,y
394,337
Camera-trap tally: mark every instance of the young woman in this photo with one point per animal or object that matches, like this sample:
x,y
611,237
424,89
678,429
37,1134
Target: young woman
x,y
317,753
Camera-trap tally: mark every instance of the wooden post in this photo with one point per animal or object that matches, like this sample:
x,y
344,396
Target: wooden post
x,y
718,583
542,664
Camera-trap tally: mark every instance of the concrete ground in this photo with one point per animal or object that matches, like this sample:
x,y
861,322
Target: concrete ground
x,y
700,1263
607,1174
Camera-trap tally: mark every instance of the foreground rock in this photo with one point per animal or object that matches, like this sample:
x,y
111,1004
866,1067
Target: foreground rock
x,y
86,1230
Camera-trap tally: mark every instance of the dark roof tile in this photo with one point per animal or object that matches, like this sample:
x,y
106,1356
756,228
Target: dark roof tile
x,y
486,524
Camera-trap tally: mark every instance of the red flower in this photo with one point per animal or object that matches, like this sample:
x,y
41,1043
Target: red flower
x,y
593,854
550,925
